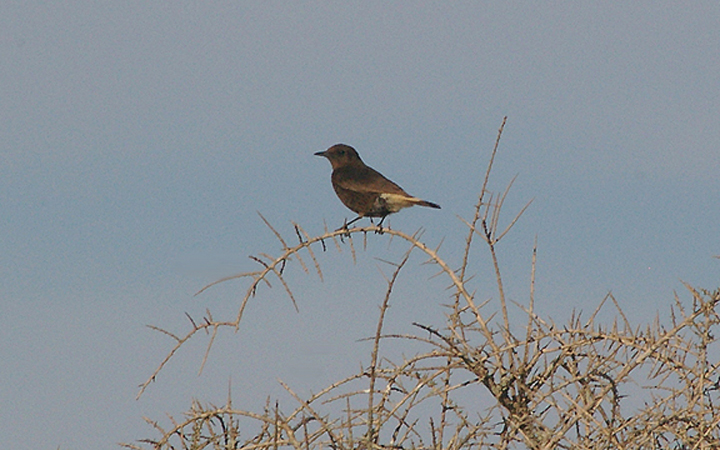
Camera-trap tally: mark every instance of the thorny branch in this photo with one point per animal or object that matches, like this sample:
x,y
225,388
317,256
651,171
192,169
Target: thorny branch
x,y
478,385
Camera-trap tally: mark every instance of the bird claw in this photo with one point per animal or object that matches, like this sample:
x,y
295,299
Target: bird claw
x,y
379,229
344,228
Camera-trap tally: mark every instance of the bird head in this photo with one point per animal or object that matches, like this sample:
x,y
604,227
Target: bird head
x,y
341,155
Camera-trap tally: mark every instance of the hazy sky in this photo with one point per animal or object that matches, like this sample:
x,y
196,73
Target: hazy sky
x,y
138,140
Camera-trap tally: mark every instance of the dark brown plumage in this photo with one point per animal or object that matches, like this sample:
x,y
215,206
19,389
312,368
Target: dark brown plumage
x,y
363,189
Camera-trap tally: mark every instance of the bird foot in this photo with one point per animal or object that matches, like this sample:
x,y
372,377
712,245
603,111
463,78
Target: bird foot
x,y
379,229
344,228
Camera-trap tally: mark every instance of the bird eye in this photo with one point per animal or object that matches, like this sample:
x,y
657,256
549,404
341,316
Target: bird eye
x,y
342,152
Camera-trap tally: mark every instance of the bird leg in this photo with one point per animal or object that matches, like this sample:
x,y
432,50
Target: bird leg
x,y
379,225
347,224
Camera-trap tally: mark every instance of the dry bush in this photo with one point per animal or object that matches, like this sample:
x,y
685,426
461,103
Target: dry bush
x,y
549,387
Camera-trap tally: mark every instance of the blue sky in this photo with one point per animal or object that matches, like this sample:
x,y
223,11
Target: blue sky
x,y
139,139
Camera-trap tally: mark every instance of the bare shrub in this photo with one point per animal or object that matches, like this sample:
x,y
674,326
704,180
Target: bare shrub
x,y
550,386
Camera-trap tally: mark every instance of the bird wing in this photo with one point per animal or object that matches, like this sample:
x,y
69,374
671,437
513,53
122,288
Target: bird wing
x,y
367,180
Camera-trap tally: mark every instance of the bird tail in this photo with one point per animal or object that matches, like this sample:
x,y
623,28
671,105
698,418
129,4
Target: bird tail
x,y
395,202
428,204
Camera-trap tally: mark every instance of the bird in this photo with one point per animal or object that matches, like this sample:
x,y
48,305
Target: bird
x,y
363,189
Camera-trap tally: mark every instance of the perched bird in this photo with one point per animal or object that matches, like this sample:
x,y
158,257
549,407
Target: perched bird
x,y
363,189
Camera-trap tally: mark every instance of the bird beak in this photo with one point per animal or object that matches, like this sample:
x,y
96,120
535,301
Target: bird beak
x,y
319,153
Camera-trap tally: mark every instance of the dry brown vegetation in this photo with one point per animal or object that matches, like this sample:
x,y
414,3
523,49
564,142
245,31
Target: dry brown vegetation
x,y
548,387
